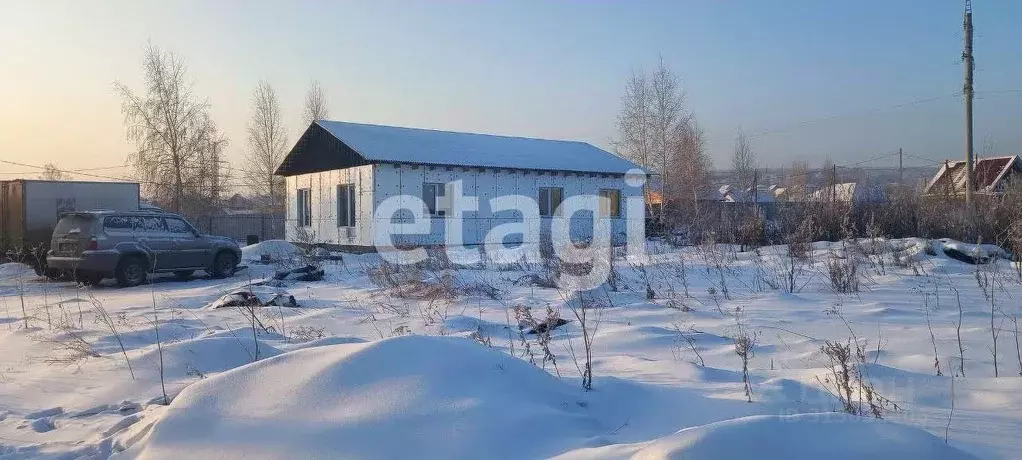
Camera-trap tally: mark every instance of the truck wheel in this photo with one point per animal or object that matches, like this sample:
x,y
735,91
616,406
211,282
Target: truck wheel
x,y
224,265
90,279
130,272
53,274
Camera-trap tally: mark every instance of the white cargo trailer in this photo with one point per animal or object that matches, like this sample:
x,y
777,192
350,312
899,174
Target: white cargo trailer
x,y
29,209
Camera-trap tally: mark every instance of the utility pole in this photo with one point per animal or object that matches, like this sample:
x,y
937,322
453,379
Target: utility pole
x,y
755,192
968,93
901,169
833,184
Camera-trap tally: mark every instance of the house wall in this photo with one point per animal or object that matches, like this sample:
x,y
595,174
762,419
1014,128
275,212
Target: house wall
x,y
486,183
323,186
375,183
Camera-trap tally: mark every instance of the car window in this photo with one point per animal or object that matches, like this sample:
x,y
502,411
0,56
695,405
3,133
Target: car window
x,y
178,225
117,224
73,222
148,224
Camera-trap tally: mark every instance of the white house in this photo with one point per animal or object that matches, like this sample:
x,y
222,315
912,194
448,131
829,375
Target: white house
x,y
850,192
338,173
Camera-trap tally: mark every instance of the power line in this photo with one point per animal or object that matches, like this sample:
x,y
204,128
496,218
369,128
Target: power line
x,y
878,157
852,115
128,179
925,159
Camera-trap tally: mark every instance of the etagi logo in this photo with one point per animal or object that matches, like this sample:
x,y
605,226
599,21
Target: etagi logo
x,y
595,253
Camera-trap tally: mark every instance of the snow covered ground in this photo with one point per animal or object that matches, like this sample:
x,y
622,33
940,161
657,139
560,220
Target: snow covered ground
x,y
433,365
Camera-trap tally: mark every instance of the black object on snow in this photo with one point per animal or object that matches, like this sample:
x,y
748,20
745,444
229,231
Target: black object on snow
x,y
545,326
966,257
306,273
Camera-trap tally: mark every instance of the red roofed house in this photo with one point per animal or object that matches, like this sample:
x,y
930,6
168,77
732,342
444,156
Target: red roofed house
x,y
991,176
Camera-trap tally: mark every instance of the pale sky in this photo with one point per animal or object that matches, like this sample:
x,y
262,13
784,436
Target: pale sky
x,y
551,69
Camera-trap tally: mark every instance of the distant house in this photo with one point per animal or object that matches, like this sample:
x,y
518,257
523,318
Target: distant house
x,y
762,194
339,173
239,204
991,176
850,192
794,192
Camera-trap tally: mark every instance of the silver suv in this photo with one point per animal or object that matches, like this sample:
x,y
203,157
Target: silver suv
x,y
128,246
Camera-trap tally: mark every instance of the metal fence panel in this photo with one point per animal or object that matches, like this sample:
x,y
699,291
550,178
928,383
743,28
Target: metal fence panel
x,y
240,227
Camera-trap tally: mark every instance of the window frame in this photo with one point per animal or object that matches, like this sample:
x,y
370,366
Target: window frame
x,y
346,214
610,203
551,208
439,189
190,229
303,207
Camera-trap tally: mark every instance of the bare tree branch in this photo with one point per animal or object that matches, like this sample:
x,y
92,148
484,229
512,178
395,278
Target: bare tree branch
x,y
315,104
267,146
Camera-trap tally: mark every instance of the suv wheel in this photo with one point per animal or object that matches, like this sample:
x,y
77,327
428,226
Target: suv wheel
x,y
52,274
90,279
224,265
131,272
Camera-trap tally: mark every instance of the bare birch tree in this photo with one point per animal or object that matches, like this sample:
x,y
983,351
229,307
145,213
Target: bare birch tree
x,y
172,131
668,114
267,146
652,119
744,160
690,167
315,104
211,163
634,121
798,180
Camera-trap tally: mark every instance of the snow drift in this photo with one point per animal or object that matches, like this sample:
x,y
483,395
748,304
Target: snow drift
x,y
807,436
277,250
446,397
405,397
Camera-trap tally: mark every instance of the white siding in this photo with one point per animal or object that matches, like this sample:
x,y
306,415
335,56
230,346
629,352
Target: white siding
x,y
391,180
323,185
375,183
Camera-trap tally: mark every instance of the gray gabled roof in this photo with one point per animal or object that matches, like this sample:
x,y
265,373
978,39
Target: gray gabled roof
x,y
391,144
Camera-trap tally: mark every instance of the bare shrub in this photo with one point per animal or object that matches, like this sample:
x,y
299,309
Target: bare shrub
x,y
159,344
958,334
933,338
76,350
850,377
985,278
686,335
1018,350
744,343
587,307
791,271
103,317
852,387
644,277
541,329
307,333
717,259
305,240
843,272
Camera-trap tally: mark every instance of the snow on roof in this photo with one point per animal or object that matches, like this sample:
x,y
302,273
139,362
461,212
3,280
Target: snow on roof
x,y
379,143
850,191
988,173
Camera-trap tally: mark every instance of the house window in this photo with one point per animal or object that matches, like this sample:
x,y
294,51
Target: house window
x,y
549,200
346,205
610,202
304,207
433,194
